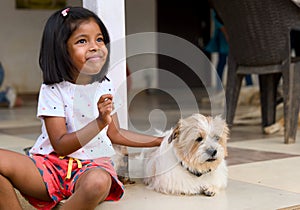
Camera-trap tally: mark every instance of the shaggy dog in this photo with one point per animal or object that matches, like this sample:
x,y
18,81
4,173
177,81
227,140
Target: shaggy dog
x,y
190,160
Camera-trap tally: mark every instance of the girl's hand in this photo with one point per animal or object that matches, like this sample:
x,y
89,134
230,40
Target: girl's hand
x,y
105,107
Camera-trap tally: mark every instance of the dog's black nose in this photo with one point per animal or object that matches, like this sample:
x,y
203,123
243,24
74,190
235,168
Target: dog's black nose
x,y
211,152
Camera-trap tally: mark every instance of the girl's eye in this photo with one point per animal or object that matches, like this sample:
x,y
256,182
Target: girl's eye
x,y
81,41
100,39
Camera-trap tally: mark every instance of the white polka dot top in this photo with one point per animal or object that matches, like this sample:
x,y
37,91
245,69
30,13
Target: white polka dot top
x,y
78,104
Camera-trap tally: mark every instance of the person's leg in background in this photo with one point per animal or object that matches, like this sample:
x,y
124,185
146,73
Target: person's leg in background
x,y
8,96
3,98
295,42
248,79
1,75
220,67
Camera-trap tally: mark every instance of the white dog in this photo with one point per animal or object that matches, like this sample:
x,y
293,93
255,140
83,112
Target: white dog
x,y
190,159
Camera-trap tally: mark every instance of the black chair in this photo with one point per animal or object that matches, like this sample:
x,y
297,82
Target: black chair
x,y
259,43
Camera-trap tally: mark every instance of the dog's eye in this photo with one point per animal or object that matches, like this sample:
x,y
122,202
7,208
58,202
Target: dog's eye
x,y
217,138
199,139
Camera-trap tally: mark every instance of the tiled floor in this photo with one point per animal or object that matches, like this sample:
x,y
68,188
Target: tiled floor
x,y
264,173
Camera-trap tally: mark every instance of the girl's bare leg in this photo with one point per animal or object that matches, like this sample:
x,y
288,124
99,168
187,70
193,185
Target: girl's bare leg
x,y
91,188
8,197
18,171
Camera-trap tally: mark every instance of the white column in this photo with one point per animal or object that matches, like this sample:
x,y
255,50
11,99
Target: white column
x,y
112,13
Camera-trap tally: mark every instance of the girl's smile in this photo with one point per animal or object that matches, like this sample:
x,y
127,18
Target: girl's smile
x,y
94,58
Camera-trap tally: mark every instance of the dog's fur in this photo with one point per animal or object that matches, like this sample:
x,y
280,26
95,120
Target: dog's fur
x,y
190,159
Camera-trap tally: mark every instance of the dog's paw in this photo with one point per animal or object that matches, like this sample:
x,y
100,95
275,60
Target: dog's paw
x,y
209,191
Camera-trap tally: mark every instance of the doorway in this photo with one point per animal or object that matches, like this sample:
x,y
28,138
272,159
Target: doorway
x,y
189,20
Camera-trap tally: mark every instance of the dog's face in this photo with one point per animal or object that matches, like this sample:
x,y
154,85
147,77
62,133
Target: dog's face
x,y
200,142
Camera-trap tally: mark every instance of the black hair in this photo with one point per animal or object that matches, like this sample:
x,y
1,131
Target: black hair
x,y
54,58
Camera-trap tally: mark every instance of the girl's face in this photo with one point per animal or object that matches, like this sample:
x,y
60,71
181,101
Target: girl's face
x,y
87,48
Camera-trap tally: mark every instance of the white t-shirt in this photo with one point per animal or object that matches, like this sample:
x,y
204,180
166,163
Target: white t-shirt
x,y
78,105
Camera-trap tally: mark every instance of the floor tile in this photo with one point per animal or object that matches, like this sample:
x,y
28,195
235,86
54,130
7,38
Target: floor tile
x,y
241,156
281,174
19,123
15,143
237,196
274,144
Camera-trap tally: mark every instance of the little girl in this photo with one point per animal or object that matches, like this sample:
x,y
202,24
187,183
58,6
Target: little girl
x,y
71,158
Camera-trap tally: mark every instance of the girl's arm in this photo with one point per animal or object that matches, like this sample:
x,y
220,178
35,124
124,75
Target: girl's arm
x,y
65,143
124,137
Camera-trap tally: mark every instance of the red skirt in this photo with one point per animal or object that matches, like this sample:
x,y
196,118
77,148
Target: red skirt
x,y
61,173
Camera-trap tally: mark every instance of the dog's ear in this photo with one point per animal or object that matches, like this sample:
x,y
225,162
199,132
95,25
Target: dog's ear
x,y
221,126
225,150
174,134
225,136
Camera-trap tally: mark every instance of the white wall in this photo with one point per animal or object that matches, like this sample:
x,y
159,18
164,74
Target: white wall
x,y
20,36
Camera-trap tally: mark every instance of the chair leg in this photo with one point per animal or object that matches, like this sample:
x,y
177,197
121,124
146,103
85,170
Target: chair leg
x,y
233,87
291,88
268,84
